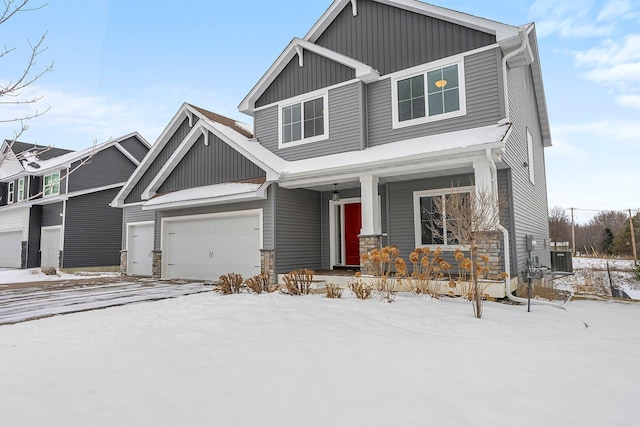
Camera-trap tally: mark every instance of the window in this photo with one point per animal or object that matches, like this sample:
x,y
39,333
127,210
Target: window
x,y
10,192
303,121
21,189
430,229
434,94
530,153
52,184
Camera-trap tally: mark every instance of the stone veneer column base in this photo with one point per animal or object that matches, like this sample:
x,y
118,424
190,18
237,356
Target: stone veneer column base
x,y
367,244
156,265
268,264
490,244
123,263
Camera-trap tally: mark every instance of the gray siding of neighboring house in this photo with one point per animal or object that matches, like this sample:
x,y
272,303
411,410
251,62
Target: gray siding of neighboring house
x,y
401,221
52,214
93,231
506,217
132,214
107,167
157,164
297,230
210,164
530,206
35,185
265,205
35,230
346,126
135,147
391,39
318,72
484,100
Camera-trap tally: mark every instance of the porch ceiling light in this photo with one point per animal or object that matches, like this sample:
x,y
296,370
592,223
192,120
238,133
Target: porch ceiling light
x,y
441,83
336,194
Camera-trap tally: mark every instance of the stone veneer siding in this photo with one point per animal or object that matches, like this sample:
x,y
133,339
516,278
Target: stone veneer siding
x,y
156,266
367,244
268,264
489,244
123,263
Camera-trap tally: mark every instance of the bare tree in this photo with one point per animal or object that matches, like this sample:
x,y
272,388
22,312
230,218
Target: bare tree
x,y
465,217
559,225
11,90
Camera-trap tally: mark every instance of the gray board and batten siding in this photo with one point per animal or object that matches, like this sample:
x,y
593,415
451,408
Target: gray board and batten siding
x,y
33,243
165,153
346,126
135,147
530,205
89,242
107,167
210,164
391,39
483,100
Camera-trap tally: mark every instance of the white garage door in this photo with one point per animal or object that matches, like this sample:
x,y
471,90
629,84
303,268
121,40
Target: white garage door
x,y
50,247
11,249
206,248
139,249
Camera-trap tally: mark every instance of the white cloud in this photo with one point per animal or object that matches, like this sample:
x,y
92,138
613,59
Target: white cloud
x,y
631,101
616,9
570,18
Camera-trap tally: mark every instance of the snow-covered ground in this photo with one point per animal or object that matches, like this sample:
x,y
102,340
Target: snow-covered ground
x,y
591,276
10,275
267,360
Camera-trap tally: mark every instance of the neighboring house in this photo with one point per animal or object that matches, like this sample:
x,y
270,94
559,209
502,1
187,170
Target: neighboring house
x,y
54,203
383,107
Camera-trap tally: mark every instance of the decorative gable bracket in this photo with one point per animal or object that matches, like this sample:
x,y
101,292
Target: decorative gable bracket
x,y
354,7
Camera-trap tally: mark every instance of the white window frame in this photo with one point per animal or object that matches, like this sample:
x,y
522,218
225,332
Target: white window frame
x,y
45,187
324,94
423,70
11,192
21,189
417,219
531,167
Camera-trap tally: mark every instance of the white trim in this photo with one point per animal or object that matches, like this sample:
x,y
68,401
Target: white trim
x,y
11,192
22,197
417,226
423,70
44,185
247,212
60,240
530,154
333,229
311,96
133,224
127,154
66,196
259,194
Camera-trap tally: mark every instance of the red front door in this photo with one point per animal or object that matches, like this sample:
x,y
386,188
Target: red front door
x,y
352,226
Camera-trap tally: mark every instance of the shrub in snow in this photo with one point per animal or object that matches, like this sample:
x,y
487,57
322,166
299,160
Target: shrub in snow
x,y
360,289
259,283
298,282
334,291
231,283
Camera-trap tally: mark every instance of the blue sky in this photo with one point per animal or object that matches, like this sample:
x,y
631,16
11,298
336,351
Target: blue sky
x,y
123,66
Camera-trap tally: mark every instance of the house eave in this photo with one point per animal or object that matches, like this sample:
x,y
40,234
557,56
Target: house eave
x,y
259,194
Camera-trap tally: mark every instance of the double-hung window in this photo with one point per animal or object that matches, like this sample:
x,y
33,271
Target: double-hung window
x,y
10,192
21,189
303,121
52,184
428,95
434,226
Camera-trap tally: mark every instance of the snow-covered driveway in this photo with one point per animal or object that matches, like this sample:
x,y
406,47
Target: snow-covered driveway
x,y
32,301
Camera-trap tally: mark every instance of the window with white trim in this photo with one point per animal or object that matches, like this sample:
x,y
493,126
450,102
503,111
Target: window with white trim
x,y
52,184
21,189
530,155
432,94
10,192
303,121
430,229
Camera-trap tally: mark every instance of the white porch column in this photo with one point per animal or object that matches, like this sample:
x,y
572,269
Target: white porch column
x,y
370,203
483,177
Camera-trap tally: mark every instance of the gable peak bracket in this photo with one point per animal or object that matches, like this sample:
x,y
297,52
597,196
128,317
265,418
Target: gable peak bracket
x,y
354,7
190,116
300,53
205,135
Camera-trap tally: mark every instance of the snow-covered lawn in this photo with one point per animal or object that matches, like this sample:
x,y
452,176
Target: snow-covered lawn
x,y
276,360
10,275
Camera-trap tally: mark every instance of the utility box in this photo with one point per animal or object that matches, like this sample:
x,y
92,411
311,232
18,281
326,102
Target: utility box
x,y
562,261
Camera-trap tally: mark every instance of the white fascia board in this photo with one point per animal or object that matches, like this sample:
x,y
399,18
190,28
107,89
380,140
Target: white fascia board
x,y
66,196
173,161
363,72
156,148
259,194
127,154
541,99
503,32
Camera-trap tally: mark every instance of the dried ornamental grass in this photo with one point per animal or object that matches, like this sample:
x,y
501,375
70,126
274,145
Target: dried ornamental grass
x,y
334,291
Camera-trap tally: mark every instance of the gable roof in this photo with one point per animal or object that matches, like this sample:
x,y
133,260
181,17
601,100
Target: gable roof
x,y
53,159
233,133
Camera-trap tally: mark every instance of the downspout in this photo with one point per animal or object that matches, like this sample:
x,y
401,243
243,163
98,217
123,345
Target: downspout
x,y
507,247
523,45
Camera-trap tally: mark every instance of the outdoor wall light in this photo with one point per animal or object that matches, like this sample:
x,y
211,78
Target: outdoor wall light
x,y
336,195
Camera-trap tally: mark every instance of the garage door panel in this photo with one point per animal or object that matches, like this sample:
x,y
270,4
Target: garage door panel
x,y
139,249
11,253
206,248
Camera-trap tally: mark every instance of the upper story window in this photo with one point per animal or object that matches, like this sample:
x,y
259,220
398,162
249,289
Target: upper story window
x,y
428,94
21,189
10,192
429,209
52,184
303,120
